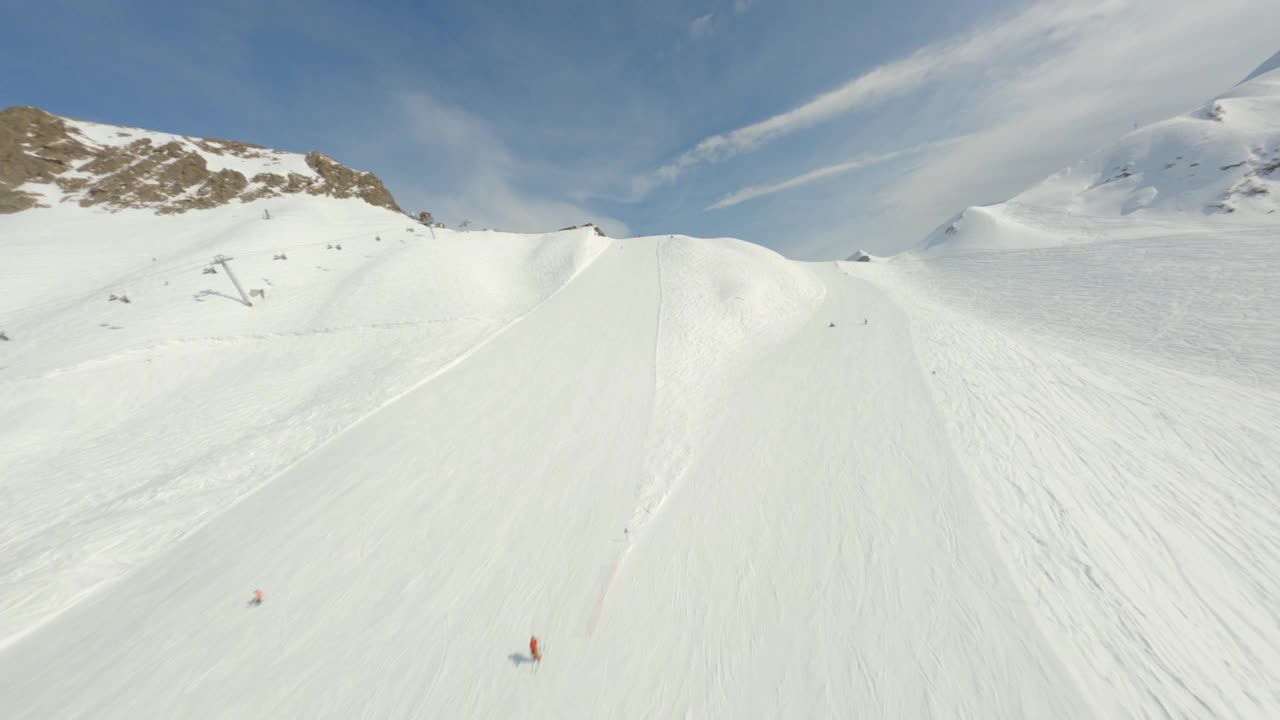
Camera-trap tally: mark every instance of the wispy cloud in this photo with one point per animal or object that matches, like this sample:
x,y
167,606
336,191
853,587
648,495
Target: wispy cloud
x,y
754,191
1046,20
741,6
454,130
484,176
701,25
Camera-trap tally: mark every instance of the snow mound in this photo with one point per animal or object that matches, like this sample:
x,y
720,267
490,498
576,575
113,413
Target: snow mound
x,y
995,228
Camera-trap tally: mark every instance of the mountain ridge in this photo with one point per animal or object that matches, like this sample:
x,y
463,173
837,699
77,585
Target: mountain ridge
x,y
47,159
1218,162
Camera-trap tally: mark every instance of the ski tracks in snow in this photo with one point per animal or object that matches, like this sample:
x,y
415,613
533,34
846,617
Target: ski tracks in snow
x,y
1131,499
61,553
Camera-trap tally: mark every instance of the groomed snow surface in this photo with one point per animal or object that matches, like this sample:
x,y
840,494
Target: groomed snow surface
x,y
1036,483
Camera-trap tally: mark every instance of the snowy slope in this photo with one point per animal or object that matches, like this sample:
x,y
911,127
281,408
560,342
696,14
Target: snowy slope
x,y
963,483
220,396
425,449
1218,165
1116,407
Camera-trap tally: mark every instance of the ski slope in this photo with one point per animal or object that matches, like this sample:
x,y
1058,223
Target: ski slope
x,y
1115,406
655,454
1026,471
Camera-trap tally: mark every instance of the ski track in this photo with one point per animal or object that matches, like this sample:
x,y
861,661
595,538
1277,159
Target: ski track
x,y
731,571
208,542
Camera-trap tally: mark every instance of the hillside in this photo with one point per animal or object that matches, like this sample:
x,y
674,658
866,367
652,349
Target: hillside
x,y
46,159
714,482
1216,166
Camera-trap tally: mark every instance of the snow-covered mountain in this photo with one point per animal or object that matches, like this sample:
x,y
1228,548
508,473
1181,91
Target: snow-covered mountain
x,y
1218,164
46,159
1035,483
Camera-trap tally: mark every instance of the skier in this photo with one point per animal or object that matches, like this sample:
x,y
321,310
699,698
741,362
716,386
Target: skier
x,y
533,649
257,598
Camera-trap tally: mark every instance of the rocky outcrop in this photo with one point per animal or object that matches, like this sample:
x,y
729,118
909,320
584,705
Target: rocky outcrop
x,y
34,147
338,180
166,173
585,225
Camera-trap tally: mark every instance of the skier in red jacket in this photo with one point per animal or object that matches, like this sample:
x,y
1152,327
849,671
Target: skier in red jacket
x,y
533,649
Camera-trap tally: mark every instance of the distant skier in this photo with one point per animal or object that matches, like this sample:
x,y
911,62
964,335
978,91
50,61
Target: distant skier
x,y
257,598
533,649
831,325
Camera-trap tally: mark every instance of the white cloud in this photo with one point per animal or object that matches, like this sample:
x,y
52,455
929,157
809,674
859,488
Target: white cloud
x,y
490,201
1046,20
701,25
484,174
740,6
755,191
453,130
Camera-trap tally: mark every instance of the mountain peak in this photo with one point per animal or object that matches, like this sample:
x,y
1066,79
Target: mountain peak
x,y
47,159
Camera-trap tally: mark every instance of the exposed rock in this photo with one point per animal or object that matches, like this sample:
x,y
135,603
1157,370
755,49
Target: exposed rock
x,y
34,147
593,226
171,175
338,180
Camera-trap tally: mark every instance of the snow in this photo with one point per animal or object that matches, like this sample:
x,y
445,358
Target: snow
x,y
257,160
221,392
1038,482
1116,408
1217,166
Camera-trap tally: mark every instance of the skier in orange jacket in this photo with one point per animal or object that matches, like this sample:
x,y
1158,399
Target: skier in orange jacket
x,y
533,649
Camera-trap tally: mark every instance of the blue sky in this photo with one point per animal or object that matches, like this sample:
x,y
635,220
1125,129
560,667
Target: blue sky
x,y
815,127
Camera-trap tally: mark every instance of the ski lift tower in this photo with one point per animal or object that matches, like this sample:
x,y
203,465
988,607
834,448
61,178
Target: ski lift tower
x,y
223,260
